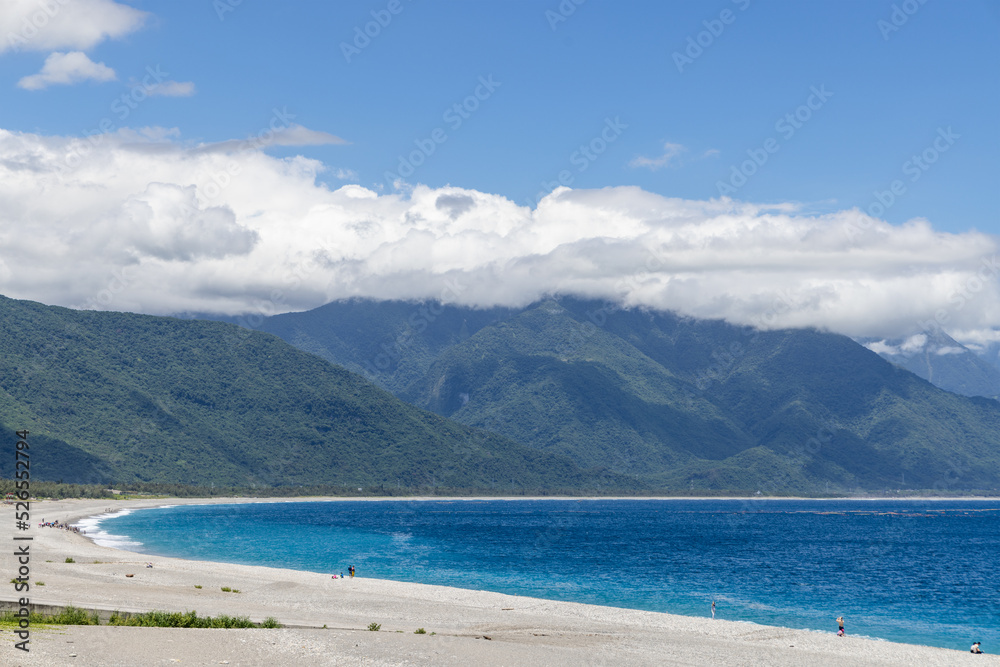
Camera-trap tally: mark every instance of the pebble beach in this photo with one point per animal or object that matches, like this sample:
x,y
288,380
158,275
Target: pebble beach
x,y
325,620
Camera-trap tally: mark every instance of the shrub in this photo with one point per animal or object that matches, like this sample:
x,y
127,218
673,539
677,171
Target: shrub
x,y
374,627
420,631
272,622
74,616
197,586
227,589
70,560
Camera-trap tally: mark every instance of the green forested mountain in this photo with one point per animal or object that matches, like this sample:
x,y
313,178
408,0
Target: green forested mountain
x,y
684,404
117,397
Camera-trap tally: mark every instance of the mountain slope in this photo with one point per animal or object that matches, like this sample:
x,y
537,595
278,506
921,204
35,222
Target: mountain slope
x,y
689,404
941,360
122,397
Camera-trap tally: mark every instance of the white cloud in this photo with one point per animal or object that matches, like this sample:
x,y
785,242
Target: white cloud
x,y
882,347
171,89
342,174
64,24
65,69
914,343
670,157
138,221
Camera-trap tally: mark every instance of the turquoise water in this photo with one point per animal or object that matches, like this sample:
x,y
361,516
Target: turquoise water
x,y
920,572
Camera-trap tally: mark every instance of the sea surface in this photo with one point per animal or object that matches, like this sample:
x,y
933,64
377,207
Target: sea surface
x,y
919,572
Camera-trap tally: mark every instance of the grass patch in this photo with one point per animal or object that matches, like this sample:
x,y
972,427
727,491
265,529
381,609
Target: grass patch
x,y
150,619
374,627
69,560
197,585
227,589
186,619
420,631
68,616
39,583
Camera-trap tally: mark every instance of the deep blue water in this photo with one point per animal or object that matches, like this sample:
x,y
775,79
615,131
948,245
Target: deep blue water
x,y
920,572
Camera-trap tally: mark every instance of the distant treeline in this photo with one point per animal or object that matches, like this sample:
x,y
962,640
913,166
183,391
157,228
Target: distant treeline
x,y
140,489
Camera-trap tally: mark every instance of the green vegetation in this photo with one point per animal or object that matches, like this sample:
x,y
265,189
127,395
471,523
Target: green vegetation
x,y
120,399
69,560
197,585
682,405
420,631
67,616
187,619
157,619
564,396
374,627
226,589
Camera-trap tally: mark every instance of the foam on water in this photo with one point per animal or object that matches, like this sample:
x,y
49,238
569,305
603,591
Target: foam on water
x,y
92,527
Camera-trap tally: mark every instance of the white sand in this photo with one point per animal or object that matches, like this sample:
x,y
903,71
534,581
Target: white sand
x,y
522,631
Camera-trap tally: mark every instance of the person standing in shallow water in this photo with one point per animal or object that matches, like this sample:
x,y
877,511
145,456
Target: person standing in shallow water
x,y
840,622
713,610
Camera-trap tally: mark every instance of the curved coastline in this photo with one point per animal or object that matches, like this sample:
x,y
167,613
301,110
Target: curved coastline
x,y
530,629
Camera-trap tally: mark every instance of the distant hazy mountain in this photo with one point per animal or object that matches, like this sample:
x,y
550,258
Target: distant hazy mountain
x,y
942,361
118,397
685,404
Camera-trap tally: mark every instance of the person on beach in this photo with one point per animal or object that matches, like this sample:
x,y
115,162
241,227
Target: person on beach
x,y
713,610
840,622
350,571
975,648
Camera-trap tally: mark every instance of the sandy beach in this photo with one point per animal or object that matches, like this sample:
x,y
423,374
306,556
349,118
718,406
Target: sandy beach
x,y
325,620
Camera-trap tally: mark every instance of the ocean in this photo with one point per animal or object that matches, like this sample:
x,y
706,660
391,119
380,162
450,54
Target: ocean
x,y
919,572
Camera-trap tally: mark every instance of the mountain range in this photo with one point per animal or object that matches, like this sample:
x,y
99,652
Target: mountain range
x,y
560,396
943,361
676,402
118,397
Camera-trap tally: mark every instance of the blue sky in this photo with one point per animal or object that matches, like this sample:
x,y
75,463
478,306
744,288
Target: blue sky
x,y
559,81
778,164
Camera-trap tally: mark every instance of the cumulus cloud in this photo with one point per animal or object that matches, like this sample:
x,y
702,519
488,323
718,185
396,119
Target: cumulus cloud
x,y
64,24
141,221
65,69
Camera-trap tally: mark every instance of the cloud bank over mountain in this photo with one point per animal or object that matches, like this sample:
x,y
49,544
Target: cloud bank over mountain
x,y
142,221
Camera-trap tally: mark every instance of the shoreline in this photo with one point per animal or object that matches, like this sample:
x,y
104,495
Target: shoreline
x,y
526,630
